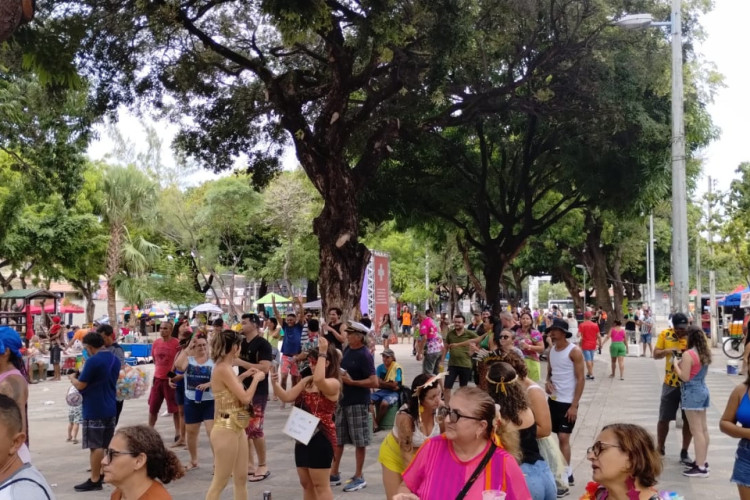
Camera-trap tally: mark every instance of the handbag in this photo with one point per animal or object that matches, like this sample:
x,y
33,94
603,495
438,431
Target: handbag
x,y
393,339
485,460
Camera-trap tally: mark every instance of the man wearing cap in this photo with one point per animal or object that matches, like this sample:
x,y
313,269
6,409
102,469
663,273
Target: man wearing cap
x,y
565,383
670,342
588,332
390,377
352,427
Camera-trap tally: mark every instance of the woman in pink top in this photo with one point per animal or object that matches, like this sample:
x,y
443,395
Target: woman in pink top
x,y
618,349
470,435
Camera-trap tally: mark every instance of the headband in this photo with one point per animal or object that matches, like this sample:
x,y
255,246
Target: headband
x,y
429,384
500,386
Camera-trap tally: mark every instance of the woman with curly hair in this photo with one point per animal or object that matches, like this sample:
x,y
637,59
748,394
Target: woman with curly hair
x,y
692,369
624,463
138,465
506,389
416,421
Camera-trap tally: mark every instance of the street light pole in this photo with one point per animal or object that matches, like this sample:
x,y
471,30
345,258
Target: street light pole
x,y
679,185
583,268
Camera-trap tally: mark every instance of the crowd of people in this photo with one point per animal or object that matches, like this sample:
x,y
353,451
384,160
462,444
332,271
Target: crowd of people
x,y
508,431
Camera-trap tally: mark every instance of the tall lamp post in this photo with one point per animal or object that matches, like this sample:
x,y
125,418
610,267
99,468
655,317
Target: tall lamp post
x,y
679,186
583,268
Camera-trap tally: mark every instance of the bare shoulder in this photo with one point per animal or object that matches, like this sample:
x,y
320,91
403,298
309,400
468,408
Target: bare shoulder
x,y
14,386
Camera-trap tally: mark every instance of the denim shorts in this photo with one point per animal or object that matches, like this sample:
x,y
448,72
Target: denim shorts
x,y
741,471
539,480
695,397
588,355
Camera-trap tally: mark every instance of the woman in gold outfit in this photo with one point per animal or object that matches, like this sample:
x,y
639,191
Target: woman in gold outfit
x,y
231,402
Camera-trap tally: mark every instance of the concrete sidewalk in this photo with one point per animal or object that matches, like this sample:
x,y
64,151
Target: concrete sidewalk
x,y
634,400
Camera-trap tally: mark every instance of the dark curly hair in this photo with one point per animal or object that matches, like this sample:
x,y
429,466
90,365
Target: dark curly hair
x,y
506,391
416,399
161,463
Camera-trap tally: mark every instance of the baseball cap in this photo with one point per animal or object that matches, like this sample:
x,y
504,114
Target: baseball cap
x,y
679,320
587,315
389,353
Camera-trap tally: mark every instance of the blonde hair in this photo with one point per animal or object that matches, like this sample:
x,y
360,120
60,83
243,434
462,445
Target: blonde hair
x,y
505,437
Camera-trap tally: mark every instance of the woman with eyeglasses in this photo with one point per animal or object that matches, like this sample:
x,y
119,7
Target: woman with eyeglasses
x,y
198,399
469,458
231,415
138,465
507,389
415,422
625,464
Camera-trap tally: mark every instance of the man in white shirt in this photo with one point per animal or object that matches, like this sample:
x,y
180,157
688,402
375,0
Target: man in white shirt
x,y
565,381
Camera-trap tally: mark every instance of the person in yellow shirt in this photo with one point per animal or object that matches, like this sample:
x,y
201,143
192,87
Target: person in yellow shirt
x,y
406,323
671,343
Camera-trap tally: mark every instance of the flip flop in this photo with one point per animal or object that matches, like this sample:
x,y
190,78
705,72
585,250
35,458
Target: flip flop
x,y
190,467
257,479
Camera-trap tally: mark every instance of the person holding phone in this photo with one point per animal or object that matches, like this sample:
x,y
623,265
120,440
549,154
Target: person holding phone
x,y
199,400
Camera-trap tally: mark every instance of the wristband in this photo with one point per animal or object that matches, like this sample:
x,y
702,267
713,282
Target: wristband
x,y
322,356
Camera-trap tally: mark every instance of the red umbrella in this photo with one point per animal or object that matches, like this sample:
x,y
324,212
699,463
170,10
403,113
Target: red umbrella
x,y
71,309
33,309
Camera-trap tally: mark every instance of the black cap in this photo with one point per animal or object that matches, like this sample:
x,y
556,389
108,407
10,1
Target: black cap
x,y
679,320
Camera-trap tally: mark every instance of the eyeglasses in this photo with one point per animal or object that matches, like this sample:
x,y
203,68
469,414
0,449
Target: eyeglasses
x,y
598,447
111,454
454,415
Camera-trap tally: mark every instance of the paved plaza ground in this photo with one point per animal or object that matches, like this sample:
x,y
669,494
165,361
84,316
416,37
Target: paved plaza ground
x,y
605,400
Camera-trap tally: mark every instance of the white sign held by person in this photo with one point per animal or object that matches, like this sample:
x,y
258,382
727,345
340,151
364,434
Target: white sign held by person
x,y
301,425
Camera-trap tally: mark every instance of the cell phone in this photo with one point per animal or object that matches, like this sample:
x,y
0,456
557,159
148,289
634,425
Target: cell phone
x,y
171,374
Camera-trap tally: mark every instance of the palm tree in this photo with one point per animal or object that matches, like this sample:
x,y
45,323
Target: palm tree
x,y
129,196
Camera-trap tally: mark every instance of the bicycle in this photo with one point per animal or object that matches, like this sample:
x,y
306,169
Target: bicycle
x,y
734,347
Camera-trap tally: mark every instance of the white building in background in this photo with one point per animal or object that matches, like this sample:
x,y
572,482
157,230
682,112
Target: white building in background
x,y
534,290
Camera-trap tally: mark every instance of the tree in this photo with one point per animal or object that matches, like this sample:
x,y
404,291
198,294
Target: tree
x,y
128,197
736,231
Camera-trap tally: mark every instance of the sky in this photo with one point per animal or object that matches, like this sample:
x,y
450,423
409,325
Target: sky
x,y
725,46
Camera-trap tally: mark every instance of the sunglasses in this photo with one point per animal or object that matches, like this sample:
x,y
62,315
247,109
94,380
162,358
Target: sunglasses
x,y
599,447
454,415
505,337
111,454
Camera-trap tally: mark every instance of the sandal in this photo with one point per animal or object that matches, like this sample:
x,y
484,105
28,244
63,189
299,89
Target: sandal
x,y
179,444
191,466
75,441
257,479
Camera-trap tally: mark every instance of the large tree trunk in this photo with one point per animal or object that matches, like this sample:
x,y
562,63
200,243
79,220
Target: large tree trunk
x,y
343,259
493,271
113,267
617,288
311,292
598,268
90,305
573,286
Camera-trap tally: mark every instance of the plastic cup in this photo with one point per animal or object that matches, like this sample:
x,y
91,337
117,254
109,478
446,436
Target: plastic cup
x,y
199,397
493,495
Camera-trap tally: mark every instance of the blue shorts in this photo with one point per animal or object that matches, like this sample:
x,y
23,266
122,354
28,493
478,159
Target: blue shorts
x,y
741,471
390,397
179,392
695,397
589,355
195,413
646,338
